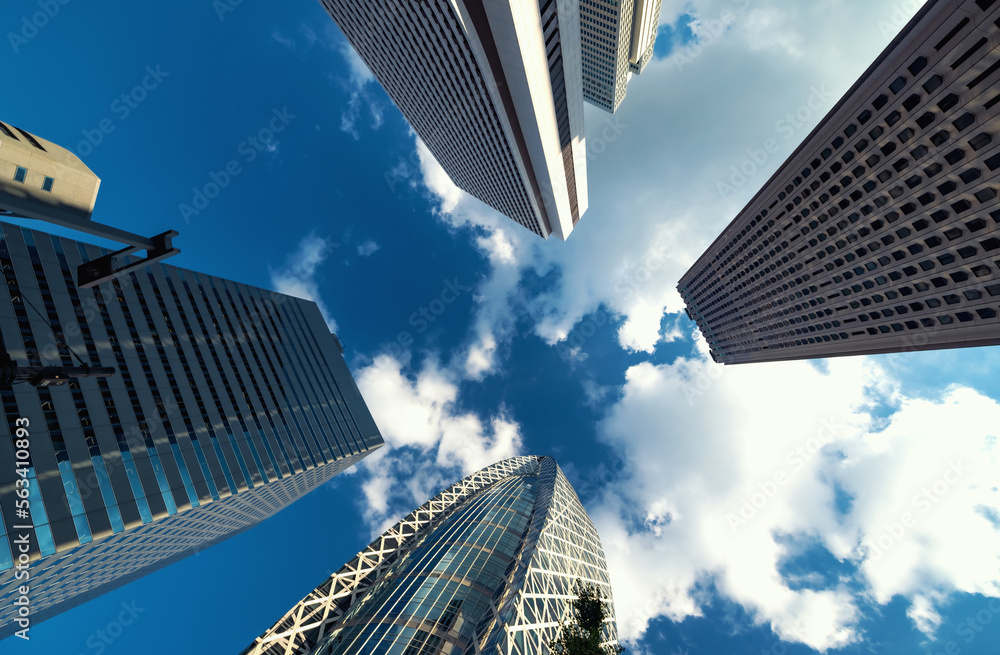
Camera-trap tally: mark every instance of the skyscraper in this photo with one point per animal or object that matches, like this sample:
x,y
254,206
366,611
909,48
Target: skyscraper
x,y
881,233
618,39
229,403
489,565
493,88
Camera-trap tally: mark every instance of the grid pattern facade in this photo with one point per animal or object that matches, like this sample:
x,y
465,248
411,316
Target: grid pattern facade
x,y
606,33
490,565
644,29
880,233
229,403
421,55
557,76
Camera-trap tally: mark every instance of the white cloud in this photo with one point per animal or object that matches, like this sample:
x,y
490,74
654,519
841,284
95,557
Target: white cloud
x,y
368,248
654,167
727,462
359,87
286,41
430,441
502,244
703,442
298,276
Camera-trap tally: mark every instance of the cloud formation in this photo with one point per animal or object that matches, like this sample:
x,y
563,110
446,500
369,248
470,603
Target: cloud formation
x,y
298,276
430,440
733,471
368,248
727,474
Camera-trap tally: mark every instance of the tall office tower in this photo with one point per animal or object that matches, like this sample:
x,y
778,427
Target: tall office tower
x,y
229,403
880,232
618,39
41,179
489,565
494,88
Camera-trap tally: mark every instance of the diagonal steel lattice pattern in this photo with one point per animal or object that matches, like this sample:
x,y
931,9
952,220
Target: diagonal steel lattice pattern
x,y
558,549
304,626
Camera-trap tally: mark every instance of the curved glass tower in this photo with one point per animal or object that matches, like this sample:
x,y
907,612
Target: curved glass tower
x,y
489,565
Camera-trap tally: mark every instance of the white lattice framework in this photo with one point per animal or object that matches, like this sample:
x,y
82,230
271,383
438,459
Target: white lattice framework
x,y
561,550
303,627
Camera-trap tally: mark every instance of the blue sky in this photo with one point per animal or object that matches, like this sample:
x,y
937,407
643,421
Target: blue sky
x,y
577,350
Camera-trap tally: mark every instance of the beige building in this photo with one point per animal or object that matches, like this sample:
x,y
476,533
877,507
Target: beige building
x,y
39,179
880,233
618,39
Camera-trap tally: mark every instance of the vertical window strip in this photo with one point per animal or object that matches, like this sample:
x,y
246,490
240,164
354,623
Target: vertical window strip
x,y
76,507
39,518
63,462
341,405
260,398
192,340
320,410
108,494
65,466
277,338
239,457
299,406
304,373
241,384
124,449
143,426
222,458
155,390
192,435
205,334
274,400
128,463
161,478
96,457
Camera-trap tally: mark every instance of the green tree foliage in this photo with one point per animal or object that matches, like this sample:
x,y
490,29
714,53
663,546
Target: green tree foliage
x,y
582,635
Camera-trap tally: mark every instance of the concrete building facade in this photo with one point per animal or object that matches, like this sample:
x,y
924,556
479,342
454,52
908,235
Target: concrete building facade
x,y
229,403
618,39
881,232
493,88
39,179
489,565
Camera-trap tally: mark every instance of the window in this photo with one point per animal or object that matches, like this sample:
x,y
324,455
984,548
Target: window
x,y
20,174
6,130
31,139
47,185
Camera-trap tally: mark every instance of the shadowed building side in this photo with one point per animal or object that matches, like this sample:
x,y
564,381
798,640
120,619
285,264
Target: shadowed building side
x,y
881,233
39,179
493,88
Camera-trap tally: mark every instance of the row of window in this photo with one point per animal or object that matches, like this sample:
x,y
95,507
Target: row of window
x,y
32,140
932,84
714,293
489,175
21,173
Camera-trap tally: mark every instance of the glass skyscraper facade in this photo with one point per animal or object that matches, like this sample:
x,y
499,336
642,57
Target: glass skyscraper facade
x,y
489,565
229,403
618,39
